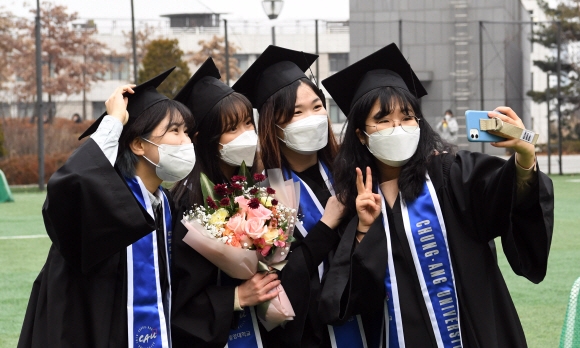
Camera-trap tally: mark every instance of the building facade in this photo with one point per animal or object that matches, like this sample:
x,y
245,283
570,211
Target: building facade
x,y
250,39
455,47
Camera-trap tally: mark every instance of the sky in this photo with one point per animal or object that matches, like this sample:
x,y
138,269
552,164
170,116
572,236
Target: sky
x,y
152,9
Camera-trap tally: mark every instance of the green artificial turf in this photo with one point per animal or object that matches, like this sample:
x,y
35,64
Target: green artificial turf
x,y
541,307
20,260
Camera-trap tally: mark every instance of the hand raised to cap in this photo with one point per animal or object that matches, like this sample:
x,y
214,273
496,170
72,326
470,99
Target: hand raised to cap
x,y
368,204
117,103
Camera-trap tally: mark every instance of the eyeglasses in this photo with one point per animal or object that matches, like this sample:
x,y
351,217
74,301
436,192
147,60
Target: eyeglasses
x,y
386,126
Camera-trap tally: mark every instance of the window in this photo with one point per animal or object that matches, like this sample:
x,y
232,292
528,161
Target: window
x,y
98,109
5,110
118,68
336,115
337,61
243,61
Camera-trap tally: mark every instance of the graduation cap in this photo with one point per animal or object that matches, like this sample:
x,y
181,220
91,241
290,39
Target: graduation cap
x,y
203,90
275,69
145,96
386,67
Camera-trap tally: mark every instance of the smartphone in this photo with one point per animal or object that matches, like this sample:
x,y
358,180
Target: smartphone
x,y
474,133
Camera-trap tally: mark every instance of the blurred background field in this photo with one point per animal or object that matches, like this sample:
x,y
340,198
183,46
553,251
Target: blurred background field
x,y
24,247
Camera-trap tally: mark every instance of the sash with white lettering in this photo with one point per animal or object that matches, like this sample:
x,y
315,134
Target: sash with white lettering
x,y
247,334
351,333
146,318
427,237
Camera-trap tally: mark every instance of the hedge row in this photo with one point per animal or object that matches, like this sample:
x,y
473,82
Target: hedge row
x,y
20,147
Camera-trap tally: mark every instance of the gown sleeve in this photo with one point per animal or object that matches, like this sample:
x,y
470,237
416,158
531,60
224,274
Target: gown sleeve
x,y
202,312
89,212
485,195
300,280
354,283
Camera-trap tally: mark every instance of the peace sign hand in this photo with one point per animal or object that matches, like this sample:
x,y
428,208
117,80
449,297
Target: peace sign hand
x,y
368,204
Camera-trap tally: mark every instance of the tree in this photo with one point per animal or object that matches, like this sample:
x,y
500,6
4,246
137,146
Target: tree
x,y
567,13
216,49
71,58
163,54
6,44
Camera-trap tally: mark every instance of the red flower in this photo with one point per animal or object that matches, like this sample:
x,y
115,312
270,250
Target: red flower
x,y
225,201
259,177
270,190
254,203
211,203
274,202
253,191
237,186
238,178
221,189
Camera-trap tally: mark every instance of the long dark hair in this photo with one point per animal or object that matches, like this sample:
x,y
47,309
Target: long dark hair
x,y
279,109
353,154
144,125
225,115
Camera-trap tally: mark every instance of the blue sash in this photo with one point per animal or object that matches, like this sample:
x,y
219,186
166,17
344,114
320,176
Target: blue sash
x,y
147,320
348,335
310,208
427,238
247,334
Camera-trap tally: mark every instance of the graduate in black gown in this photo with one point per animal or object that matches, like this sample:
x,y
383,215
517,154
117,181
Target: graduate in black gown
x,y
207,304
106,281
416,249
295,135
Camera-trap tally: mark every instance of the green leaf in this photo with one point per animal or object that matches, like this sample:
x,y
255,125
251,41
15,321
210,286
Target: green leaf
x,y
206,188
245,172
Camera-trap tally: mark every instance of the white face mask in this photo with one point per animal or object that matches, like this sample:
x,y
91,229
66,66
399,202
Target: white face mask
x,y
175,161
307,135
447,117
241,149
396,148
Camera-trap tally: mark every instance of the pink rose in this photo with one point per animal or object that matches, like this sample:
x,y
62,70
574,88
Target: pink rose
x,y
261,213
255,228
266,250
236,223
243,202
279,243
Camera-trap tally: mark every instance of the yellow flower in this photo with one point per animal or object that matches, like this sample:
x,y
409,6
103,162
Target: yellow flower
x,y
219,217
271,235
266,201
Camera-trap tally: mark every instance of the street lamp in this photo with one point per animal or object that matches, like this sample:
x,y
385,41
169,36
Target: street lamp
x,y
273,9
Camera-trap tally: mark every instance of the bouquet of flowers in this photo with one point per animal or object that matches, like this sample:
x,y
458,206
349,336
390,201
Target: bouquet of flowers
x,y
244,228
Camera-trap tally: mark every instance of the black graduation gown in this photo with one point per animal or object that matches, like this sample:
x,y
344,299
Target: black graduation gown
x,y
300,277
79,299
202,311
477,194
